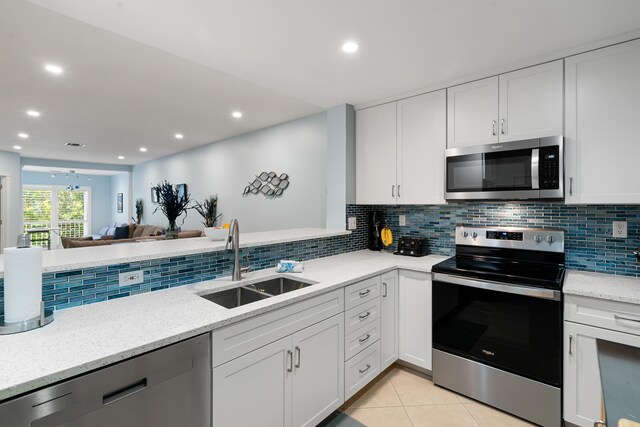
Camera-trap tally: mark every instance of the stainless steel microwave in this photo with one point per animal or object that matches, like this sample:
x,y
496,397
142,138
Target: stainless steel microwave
x,y
528,169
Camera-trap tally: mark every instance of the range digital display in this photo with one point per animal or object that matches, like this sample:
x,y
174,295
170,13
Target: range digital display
x,y
504,235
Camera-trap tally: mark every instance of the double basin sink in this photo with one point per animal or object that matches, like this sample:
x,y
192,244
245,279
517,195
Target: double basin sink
x,y
255,291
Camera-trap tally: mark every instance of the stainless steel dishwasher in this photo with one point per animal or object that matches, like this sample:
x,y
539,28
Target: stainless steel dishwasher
x,y
167,387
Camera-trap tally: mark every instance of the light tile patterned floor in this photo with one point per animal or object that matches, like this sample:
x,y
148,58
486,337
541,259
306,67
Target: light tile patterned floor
x,y
403,397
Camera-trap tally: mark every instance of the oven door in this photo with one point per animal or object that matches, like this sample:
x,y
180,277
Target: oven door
x,y
493,171
517,332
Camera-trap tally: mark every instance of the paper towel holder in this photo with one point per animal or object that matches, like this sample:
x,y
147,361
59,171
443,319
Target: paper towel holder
x,y
46,317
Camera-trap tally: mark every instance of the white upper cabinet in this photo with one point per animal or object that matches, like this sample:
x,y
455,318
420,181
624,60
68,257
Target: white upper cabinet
x,y
522,104
472,113
422,133
531,102
400,151
602,146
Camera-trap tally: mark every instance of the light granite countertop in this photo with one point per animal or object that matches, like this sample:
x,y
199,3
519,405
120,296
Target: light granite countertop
x,y
76,258
85,338
602,286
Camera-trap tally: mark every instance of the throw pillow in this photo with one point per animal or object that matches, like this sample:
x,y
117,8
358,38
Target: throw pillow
x,y
148,230
103,231
121,233
111,231
138,231
132,228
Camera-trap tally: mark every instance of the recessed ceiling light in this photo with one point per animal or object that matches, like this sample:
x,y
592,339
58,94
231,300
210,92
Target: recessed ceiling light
x,y
143,149
53,69
17,147
74,144
350,47
23,135
120,157
236,114
33,113
179,136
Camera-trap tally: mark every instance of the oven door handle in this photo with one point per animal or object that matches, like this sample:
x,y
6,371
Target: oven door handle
x,y
496,286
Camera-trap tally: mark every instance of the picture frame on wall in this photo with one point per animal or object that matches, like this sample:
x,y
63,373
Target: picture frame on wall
x,y
119,202
182,190
154,195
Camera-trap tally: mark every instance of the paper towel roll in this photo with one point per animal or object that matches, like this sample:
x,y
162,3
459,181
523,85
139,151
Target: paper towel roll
x,y
22,283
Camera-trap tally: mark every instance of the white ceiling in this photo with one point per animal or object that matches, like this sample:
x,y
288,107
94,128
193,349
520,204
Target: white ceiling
x,y
138,71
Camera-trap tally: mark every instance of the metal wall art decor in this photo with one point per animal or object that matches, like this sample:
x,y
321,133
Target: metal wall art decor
x,y
268,184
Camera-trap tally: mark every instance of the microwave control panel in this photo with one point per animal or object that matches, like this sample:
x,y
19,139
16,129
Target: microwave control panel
x,y
550,168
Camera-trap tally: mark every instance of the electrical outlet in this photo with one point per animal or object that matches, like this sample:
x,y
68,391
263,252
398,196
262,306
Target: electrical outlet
x,y
352,223
131,278
402,220
620,229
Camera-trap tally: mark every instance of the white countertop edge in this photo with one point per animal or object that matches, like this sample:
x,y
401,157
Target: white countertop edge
x,y
60,260
602,286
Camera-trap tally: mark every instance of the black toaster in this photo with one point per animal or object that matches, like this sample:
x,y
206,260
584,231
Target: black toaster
x,y
413,246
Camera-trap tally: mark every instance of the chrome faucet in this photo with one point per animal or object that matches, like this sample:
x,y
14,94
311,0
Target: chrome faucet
x,y
234,241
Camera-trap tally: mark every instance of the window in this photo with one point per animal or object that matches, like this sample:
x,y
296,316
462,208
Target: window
x,y
64,211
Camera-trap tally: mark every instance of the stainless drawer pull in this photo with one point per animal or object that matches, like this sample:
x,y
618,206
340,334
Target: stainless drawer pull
x,y
297,364
570,343
362,371
365,293
364,316
384,286
290,361
122,393
365,339
615,316
493,127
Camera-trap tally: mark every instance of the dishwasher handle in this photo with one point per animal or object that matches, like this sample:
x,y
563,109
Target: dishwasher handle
x,y
124,392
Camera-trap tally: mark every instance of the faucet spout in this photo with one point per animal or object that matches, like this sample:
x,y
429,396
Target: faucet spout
x,y
234,241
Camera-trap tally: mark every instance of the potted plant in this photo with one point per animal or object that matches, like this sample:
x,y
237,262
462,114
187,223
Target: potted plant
x,y
172,203
209,212
139,211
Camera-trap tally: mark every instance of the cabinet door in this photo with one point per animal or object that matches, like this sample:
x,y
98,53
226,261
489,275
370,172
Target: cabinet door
x,y
415,318
422,139
389,320
376,155
318,378
531,102
254,389
602,89
582,389
472,113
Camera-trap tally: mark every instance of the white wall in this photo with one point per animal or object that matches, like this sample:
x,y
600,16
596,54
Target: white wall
x,y
120,184
11,197
298,148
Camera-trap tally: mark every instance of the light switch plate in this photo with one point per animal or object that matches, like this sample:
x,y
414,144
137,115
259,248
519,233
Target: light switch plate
x,y
402,220
352,223
620,229
131,278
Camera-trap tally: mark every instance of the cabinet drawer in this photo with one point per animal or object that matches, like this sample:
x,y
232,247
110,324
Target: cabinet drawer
x,y
360,339
361,292
362,315
614,315
247,335
360,370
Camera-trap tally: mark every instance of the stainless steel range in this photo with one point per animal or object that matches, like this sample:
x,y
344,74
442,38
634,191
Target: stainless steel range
x,y
497,320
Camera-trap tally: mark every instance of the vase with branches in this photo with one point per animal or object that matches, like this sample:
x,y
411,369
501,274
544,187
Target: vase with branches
x,y
139,211
208,209
172,203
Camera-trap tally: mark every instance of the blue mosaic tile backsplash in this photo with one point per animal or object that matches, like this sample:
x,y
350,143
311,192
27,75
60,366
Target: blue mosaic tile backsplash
x,y
78,287
588,228
588,244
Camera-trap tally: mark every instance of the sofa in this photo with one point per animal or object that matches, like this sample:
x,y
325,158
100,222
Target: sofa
x,y
134,233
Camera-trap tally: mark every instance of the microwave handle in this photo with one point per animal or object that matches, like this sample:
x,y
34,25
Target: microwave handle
x,y
535,169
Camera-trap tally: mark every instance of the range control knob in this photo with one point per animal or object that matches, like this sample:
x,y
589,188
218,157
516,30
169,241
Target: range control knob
x,y
549,239
537,238
464,234
474,234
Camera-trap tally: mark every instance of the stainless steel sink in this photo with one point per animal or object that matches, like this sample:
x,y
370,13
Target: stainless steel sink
x,y
278,285
256,291
232,298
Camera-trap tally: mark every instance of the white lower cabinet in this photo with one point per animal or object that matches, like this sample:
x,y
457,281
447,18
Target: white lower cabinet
x,y
582,389
415,318
295,381
389,320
